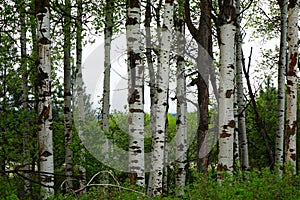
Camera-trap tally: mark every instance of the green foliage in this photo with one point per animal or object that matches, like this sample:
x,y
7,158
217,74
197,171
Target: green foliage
x,y
267,106
262,184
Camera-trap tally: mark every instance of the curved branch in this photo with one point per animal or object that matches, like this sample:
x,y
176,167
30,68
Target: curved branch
x,y
187,17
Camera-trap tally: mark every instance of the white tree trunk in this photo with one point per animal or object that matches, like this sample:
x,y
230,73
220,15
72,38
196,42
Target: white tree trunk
x,y
44,105
135,94
181,121
279,146
243,141
158,145
108,31
152,72
236,152
79,90
226,91
292,85
68,97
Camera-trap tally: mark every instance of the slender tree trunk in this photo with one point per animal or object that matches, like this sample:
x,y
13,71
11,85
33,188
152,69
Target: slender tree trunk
x,y
68,97
44,105
152,72
292,85
226,94
166,158
236,152
135,94
26,134
204,51
181,121
162,102
281,87
79,89
259,121
203,36
240,96
108,32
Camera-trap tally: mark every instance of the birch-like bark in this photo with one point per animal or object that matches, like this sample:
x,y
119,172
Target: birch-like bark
x,y
244,157
166,160
292,85
226,94
68,97
152,71
279,145
152,74
181,121
108,31
158,145
236,152
79,90
45,102
135,94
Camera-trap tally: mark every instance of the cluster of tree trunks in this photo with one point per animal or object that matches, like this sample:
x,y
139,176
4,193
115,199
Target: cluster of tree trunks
x,y
232,137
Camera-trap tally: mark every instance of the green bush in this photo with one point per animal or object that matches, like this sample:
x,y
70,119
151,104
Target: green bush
x,y
254,185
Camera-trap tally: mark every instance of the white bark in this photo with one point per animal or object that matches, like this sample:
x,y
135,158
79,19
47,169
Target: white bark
x,y
44,106
152,72
79,89
226,93
68,98
107,65
135,94
243,141
291,113
108,31
181,121
236,153
158,145
279,146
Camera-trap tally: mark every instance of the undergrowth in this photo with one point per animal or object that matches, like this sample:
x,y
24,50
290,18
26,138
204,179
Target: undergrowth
x,y
254,185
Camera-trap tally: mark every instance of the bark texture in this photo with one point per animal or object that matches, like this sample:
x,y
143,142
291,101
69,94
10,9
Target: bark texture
x,y
292,84
181,121
226,91
68,97
108,31
44,94
135,94
243,141
80,92
158,145
279,145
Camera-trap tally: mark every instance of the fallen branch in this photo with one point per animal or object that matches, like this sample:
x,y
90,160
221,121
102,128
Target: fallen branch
x,y
90,184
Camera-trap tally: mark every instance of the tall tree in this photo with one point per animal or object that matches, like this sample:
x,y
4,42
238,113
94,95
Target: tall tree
x,y
181,121
151,66
279,146
203,36
46,164
292,85
205,43
79,90
108,32
240,95
227,19
158,145
68,96
135,94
